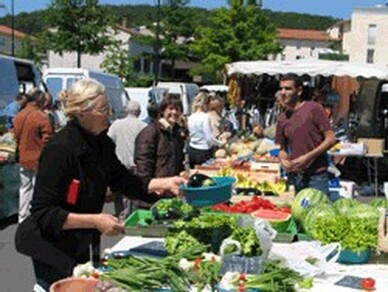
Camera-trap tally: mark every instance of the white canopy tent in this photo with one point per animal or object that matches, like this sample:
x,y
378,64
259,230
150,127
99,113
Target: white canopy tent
x,y
309,67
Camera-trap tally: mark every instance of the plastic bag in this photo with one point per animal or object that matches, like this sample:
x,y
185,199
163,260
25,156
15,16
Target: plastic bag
x,y
235,262
308,258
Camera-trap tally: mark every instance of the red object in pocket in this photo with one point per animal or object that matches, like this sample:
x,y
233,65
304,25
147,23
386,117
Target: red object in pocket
x,y
72,193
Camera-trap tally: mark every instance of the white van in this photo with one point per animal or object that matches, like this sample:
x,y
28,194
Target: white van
x,y
58,79
17,75
187,92
144,96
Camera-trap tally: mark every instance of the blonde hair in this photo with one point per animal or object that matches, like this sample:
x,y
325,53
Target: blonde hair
x,y
80,96
201,101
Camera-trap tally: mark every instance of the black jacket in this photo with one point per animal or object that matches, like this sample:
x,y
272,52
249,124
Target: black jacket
x,y
72,154
159,151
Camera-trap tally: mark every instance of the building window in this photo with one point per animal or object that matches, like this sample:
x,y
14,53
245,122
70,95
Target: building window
x,y
370,56
372,30
137,65
312,51
147,66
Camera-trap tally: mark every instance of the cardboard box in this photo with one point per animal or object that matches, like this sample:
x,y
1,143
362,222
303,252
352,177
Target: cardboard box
x,y
373,145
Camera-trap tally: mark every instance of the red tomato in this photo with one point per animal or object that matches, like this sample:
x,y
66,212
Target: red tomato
x,y
197,262
242,277
368,284
95,275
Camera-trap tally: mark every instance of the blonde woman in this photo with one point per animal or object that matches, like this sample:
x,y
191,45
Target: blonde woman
x,y
201,138
76,167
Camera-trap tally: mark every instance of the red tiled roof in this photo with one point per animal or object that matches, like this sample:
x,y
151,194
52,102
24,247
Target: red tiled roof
x,y
5,30
303,34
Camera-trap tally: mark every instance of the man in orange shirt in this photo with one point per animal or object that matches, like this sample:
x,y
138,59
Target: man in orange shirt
x,y
32,130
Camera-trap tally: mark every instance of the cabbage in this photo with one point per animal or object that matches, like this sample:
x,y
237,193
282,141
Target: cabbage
x,y
305,200
363,212
326,224
363,228
344,204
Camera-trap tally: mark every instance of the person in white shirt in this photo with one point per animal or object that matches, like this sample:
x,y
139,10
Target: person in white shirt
x,y
200,133
123,132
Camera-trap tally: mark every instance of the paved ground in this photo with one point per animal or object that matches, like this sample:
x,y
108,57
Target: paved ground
x,y
16,272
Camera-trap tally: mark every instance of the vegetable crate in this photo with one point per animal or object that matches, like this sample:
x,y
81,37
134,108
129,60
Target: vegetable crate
x,y
382,244
136,225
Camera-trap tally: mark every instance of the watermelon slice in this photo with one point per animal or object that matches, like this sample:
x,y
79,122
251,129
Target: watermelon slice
x,y
279,220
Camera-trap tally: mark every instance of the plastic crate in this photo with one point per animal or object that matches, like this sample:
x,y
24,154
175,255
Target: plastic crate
x,y
207,196
284,237
136,225
303,237
350,257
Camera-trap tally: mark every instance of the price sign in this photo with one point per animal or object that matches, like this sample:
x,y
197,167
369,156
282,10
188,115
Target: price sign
x,y
246,265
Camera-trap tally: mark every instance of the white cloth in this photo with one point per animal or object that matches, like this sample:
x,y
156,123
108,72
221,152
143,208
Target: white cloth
x,y
27,179
201,137
38,288
123,132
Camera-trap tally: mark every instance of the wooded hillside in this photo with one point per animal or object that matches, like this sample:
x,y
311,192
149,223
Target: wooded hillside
x,y
137,15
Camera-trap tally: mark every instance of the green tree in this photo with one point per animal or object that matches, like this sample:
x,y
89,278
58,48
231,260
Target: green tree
x,y
80,26
33,49
118,62
177,27
242,32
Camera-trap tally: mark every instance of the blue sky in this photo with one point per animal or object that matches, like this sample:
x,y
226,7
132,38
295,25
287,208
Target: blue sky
x,y
335,8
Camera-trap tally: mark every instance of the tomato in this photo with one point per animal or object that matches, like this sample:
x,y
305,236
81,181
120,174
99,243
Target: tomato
x,y
368,284
197,262
95,275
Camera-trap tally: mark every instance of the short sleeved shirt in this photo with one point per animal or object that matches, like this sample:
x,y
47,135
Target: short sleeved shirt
x,y
302,131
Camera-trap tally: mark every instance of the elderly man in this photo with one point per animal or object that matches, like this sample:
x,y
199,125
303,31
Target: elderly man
x,y
123,132
32,130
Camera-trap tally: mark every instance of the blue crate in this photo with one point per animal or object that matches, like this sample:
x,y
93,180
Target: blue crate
x,y
350,257
207,196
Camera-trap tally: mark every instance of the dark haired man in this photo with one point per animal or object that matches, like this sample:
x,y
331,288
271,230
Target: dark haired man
x,y
32,130
304,135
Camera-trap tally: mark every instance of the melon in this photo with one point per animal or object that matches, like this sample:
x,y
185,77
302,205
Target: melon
x,y
344,204
305,200
279,220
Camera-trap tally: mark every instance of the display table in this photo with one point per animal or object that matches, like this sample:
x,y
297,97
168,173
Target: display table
x,y
337,271
9,189
371,161
325,282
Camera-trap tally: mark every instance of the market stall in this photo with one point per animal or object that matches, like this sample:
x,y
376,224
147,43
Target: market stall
x,y
361,87
358,115
216,241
